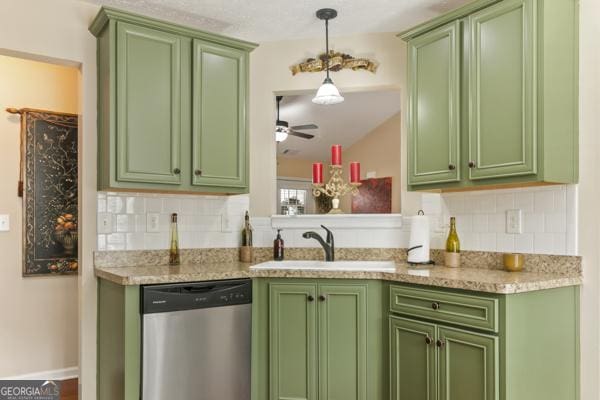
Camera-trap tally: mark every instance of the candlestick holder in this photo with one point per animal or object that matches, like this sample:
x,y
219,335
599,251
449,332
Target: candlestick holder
x,y
335,188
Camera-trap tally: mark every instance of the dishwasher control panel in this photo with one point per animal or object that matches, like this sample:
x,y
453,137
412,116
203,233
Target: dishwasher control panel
x,y
189,296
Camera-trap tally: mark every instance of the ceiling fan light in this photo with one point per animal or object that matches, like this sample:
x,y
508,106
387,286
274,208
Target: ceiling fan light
x,y
328,94
281,133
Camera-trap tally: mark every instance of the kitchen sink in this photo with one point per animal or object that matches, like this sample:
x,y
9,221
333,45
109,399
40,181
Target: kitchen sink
x,y
369,266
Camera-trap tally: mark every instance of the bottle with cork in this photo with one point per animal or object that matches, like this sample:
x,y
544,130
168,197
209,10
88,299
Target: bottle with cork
x,y
174,247
452,255
246,251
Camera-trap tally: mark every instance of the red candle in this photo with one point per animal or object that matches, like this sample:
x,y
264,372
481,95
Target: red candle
x,y
318,173
336,154
354,172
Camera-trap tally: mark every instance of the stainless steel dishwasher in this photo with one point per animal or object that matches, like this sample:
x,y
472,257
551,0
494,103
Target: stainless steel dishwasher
x,y
196,341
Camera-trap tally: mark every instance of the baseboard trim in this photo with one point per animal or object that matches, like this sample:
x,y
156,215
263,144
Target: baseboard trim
x,y
54,375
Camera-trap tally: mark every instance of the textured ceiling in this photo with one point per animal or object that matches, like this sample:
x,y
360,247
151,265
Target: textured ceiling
x,y
273,20
343,123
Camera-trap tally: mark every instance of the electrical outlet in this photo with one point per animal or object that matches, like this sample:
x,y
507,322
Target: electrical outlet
x,y
4,223
514,221
152,222
104,223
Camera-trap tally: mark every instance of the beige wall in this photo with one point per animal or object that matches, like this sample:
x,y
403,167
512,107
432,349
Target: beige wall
x,y
379,152
39,318
589,192
269,75
57,31
288,167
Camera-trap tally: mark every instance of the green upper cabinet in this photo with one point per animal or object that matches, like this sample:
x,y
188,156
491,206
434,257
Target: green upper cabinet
x,y
434,70
172,107
516,102
148,80
219,116
502,59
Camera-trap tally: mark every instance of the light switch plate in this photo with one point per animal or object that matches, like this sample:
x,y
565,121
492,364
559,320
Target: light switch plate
x,y
4,222
104,223
153,222
514,221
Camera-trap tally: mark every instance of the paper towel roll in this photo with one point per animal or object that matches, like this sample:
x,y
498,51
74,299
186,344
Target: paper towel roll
x,y
419,236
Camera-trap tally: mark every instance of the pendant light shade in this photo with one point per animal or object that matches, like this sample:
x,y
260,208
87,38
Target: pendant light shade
x,y
327,94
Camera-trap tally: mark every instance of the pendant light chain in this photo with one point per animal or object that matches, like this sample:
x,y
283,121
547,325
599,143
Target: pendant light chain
x,y
327,46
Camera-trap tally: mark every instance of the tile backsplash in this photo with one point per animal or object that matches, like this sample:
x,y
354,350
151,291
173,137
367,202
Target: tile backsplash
x,y
141,221
548,219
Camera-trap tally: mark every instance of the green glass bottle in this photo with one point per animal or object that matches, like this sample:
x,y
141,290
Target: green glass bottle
x,y
452,243
247,231
174,247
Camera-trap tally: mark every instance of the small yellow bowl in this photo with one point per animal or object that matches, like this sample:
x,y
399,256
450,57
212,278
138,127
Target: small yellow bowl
x,y
513,262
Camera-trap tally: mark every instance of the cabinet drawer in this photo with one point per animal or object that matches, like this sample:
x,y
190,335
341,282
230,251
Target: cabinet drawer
x,y
459,309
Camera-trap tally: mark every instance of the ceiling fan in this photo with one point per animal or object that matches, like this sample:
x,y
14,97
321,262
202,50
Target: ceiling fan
x,y
282,128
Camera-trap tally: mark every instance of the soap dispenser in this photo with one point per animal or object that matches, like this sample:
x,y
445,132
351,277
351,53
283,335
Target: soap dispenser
x,y
278,247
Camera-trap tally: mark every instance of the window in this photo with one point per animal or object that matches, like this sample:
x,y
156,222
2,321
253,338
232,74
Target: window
x,y
292,201
294,196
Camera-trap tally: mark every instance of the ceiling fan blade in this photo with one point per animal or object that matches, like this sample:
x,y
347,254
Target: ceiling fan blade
x,y
308,126
300,134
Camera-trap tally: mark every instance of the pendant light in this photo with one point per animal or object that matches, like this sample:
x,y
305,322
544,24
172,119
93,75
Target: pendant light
x,y
327,93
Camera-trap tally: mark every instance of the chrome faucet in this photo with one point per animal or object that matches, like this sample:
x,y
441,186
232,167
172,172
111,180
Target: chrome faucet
x,y
327,245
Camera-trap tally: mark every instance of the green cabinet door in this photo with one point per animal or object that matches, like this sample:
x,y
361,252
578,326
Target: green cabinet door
x,y
293,341
342,342
434,106
148,134
219,139
468,365
502,90
412,360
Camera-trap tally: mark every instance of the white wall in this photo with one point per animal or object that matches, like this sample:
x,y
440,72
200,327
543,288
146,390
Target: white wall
x,y
57,31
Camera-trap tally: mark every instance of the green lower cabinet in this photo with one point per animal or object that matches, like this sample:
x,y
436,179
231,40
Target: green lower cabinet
x,y
293,344
531,353
468,365
317,339
412,360
343,342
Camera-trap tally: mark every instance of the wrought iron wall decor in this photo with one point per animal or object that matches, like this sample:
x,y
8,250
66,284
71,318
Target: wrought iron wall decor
x,y
50,168
337,62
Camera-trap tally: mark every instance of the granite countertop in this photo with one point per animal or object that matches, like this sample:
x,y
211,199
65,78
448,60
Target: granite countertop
x,y
476,279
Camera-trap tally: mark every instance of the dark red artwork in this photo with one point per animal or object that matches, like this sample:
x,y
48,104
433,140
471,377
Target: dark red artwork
x,y
374,197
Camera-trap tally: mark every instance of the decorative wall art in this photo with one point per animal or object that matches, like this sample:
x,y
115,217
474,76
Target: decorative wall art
x,y
337,62
374,197
49,164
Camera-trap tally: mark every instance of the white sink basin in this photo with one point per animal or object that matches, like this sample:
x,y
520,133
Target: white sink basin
x,y
369,266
